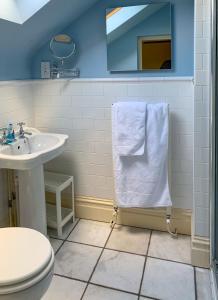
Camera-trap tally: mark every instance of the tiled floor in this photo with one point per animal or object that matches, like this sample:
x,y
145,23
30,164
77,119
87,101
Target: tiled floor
x,y
94,262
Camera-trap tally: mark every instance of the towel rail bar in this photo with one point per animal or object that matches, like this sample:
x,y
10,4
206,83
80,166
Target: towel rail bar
x,y
168,220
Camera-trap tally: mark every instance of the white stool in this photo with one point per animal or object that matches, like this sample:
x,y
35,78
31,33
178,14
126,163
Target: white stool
x,y
56,183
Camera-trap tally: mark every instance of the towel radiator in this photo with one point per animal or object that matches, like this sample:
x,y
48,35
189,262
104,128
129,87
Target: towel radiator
x,y
173,233
168,220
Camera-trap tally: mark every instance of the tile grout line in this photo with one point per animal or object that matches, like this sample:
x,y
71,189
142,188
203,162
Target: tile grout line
x,y
195,283
114,289
70,278
96,263
64,240
99,285
104,248
169,260
85,244
143,271
72,230
128,252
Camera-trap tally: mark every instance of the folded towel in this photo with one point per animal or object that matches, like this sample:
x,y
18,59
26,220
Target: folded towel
x,y
142,181
129,127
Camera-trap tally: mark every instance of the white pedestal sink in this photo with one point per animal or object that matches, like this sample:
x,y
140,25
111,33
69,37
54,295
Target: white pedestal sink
x,y
27,156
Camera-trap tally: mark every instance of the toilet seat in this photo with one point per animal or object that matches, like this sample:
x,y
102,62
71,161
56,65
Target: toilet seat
x,y
26,257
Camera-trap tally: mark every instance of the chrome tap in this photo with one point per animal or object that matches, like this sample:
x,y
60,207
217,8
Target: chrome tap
x,y
21,133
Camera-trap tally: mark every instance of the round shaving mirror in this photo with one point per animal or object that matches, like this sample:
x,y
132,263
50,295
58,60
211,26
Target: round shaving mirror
x,y
62,46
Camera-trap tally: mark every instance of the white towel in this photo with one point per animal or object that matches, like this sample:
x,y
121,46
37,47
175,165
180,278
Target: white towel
x,y
129,121
142,181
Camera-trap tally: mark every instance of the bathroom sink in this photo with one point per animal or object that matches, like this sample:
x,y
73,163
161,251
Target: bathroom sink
x,y
27,156
32,151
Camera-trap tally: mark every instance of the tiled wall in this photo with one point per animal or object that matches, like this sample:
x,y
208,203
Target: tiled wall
x,y
82,109
201,120
15,105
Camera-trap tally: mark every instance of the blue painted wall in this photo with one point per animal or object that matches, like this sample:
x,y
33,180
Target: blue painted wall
x,y
89,34
18,43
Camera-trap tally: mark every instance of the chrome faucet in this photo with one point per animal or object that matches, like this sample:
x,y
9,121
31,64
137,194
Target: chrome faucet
x,y
21,133
3,139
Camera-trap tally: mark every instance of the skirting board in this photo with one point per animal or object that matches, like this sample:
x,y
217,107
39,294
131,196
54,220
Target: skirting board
x,y
102,209
200,252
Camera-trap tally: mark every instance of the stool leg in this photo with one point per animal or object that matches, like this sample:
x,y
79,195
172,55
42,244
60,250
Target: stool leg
x,y
59,216
73,200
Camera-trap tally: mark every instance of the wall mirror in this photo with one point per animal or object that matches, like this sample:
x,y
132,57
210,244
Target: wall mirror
x,y
139,38
62,46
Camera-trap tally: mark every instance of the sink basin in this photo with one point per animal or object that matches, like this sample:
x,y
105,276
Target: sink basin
x,y
31,151
27,156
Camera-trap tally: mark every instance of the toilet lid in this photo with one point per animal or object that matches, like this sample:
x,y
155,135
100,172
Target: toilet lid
x,y
24,252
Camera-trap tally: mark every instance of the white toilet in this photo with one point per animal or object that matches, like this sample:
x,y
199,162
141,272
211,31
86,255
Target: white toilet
x,y
26,264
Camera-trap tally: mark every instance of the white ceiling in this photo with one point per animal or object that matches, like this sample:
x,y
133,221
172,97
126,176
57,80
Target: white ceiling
x,y
19,11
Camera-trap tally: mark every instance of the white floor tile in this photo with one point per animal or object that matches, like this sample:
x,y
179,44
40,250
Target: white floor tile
x,y
66,230
168,280
203,284
164,246
76,260
99,293
63,288
91,232
55,244
130,239
119,270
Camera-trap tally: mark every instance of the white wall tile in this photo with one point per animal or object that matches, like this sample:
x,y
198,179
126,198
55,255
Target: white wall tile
x,y
47,88
202,229
71,89
115,89
199,61
89,151
201,118
202,77
201,45
199,11
53,122
199,29
83,111
93,89
206,29
140,89
198,92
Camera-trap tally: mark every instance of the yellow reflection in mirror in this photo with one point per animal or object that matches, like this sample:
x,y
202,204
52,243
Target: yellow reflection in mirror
x,y
154,53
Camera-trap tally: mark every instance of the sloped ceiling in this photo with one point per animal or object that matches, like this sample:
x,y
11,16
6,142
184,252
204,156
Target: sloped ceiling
x,y
18,42
18,11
